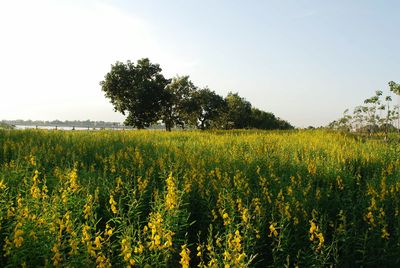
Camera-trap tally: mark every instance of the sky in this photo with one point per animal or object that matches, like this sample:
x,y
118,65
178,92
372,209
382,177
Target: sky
x,y
304,61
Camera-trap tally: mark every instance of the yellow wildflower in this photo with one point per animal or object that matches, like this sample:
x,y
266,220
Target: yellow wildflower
x,y
185,259
171,199
113,204
272,230
18,239
57,255
385,233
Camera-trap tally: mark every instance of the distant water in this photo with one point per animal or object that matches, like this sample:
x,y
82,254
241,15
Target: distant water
x,y
62,128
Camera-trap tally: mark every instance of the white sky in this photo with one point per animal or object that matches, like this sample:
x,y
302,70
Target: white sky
x,y
54,54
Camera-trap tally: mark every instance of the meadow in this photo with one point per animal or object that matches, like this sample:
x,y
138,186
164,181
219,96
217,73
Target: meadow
x,y
198,199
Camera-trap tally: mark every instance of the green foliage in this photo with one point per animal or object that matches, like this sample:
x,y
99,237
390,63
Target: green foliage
x,y
136,90
177,102
376,115
238,112
141,92
207,109
263,120
6,126
394,87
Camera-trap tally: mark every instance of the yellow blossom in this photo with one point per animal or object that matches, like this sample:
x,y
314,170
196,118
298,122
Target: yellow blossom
x,y
171,199
185,259
272,230
113,204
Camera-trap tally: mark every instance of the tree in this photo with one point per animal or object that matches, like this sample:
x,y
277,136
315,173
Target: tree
x,y
377,115
136,90
177,102
283,124
395,88
358,117
344,123
238,111
373,104
262,120
142,93
207,109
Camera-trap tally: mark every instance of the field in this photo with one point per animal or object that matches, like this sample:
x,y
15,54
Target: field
x,y
204,199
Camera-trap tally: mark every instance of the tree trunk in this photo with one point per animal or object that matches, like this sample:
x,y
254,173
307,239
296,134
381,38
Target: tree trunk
x,y
168,126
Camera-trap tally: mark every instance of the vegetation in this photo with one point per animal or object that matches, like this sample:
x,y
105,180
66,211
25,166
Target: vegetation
x,y
376,115
206,199
5,126
142,93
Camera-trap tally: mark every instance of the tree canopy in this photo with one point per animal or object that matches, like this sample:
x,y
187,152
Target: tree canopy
x,y
136,90
208,107
177,104
378,114
239,111
146,97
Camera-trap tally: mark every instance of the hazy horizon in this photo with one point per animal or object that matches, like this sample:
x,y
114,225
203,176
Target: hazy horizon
x,y
304,61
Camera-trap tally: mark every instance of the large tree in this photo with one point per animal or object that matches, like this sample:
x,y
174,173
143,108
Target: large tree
x,y
207,107
177,103
238,112
136,90
262,120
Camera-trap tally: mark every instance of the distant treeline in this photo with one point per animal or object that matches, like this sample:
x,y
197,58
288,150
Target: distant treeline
x,y
146,97
58,123
5,126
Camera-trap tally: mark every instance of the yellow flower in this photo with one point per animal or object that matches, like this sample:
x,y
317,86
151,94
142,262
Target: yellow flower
x,y
113,204
171,199
272,230
316,234
313,228
32,160
86,233
18,239
185,259
57,255
198,251
370,218
321,239
73,180
87,208
102,261
159,236
2,185
139,249
385,233
226,219
109,230
97,242
126,249
245,215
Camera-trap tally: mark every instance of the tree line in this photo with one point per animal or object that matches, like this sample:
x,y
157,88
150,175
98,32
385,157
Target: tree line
x,y
146,97
377,114
68,123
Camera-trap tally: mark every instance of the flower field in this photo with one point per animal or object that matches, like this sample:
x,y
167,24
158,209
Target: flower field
x,y
198,199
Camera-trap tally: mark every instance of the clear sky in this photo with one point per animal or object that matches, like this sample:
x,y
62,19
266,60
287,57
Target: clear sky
x,y
305,61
